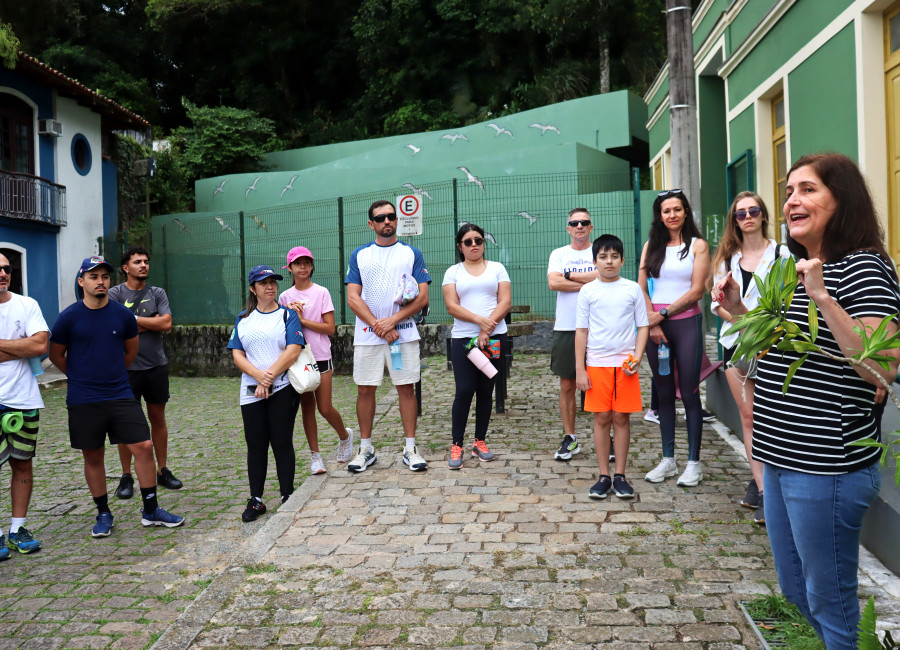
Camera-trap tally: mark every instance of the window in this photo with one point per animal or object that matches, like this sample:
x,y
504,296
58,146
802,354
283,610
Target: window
x,y
16,135
81,154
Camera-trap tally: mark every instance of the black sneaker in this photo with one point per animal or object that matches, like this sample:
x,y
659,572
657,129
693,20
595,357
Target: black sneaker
x,y
760,516
167,479
707,416
620,485
254,509
601,488
751,499
567,448
126,487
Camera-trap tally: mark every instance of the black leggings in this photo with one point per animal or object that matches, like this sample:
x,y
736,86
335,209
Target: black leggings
x,y
271,422
685,337
470,381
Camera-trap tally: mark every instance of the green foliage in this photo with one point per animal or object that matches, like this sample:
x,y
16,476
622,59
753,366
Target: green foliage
x,y
784,623
868,634
9,46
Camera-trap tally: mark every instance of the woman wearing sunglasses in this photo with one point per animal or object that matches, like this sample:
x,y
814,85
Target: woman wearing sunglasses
x,y
478,295
743,252
677,258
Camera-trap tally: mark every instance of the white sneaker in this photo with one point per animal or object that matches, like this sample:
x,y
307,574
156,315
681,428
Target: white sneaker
x,y
661,472
316,464
692,475
651,416
364,458
416,463
345,447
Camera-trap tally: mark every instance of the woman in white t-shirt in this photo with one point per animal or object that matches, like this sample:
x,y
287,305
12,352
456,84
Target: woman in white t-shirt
x,y
478,295
313,306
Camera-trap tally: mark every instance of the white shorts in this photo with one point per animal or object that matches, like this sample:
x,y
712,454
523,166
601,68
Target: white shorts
x,y
369,362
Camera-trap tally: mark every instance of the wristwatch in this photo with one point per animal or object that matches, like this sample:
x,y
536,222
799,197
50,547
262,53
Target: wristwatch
x,y
566,275
664,313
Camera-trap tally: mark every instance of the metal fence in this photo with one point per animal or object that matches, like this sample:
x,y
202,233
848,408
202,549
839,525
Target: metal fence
x,y
202,259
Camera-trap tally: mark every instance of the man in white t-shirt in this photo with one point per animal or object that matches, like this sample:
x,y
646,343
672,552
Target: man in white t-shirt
x,y
23,334
570,268
380,273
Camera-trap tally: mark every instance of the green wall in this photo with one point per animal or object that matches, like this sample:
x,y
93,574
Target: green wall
x,y
822,99
713,144
709,20
743,133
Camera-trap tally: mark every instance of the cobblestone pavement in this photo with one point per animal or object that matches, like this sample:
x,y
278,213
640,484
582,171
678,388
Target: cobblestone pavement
x,y
507,554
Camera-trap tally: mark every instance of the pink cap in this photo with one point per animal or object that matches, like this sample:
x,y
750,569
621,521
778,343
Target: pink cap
x,y
298,251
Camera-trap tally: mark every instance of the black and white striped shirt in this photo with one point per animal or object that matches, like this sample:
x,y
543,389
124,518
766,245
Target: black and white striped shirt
x,y
827,404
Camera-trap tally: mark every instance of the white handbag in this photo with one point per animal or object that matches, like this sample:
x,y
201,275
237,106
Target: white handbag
x,y
304,373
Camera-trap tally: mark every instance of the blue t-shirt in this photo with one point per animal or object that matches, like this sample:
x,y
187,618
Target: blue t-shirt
x,y
95,354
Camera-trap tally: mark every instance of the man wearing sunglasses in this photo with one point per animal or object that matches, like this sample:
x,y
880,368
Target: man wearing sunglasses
x,y
571,267
379,272
23,334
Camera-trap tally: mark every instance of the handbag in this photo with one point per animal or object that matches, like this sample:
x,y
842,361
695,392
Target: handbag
x,y
304,373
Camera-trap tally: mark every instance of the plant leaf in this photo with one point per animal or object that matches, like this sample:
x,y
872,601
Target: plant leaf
x,y
790,373
813,321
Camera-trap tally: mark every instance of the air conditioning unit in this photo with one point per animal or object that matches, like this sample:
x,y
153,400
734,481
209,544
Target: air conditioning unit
x,y
50,127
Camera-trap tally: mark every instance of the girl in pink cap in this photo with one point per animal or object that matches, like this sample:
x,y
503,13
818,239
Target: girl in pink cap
x,y
313,305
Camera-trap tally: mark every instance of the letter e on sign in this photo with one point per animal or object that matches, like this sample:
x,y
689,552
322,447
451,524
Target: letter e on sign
x,y
409,209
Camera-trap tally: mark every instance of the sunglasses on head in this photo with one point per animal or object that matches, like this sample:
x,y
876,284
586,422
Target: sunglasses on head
x,y
670,192
6,268
754,212
473,241
379,218
579,222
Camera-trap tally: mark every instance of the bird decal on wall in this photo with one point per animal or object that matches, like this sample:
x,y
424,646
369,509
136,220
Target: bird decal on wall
x,y
470,177
225,226
252,187
182,226
544,128
531,217
289,186
260,224
220,189
500,130
413,148
487,235
453,138
417,190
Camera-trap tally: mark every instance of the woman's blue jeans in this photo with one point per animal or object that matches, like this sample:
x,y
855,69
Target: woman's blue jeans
x,y
814,524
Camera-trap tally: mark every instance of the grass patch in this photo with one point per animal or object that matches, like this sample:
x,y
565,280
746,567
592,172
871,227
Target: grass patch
x,y
637,532
253,569
780,621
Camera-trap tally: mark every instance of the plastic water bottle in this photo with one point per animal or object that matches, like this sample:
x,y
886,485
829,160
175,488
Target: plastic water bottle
x,y
663,355
36,368
396,357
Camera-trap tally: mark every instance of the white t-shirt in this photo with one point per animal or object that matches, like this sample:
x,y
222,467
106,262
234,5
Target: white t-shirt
x,y
20,317
478,294
562,260
610,311
675,275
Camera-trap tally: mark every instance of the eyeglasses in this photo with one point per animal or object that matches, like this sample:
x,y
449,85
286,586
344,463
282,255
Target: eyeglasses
x,y
579,222
379,218
6,268
754,212
474,241
670,192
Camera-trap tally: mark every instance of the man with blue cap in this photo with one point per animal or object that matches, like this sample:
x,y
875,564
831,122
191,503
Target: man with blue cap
x,y
93,342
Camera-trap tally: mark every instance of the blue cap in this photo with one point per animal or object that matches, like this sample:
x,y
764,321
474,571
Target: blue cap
x,y
91,263
263,272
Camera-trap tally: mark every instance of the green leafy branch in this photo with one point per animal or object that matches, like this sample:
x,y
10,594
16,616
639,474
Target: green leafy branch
x,y
766,327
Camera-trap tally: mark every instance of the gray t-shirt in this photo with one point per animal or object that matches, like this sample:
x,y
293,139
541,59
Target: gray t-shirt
x,y
154,302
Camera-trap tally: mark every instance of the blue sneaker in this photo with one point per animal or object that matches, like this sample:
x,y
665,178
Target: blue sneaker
x,y
104,525
23,541
4,552
160,517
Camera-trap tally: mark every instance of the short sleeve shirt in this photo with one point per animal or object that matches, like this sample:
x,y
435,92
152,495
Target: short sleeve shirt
x,y
610,311
478,294
150,345
20,318
378,270
562,260
95,354
318,302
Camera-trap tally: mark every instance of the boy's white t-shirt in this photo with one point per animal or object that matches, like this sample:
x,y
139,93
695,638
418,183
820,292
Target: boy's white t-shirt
x,y
565,259
478,294
610,311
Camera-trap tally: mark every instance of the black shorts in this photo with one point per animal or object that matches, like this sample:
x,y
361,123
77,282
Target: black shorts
x,y
325,366
562,354
151,384
122,419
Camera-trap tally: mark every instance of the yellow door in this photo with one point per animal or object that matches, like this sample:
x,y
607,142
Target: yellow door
x,y
892,88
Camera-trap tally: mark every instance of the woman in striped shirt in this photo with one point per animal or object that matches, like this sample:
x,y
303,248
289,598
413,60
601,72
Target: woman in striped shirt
x,y
818,487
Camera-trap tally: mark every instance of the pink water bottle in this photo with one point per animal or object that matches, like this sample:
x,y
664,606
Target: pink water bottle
x,y
481,362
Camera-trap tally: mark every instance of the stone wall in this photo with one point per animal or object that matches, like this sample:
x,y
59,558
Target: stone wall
x,y
201,350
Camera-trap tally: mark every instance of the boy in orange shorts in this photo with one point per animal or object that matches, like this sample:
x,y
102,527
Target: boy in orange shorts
x,y
611,331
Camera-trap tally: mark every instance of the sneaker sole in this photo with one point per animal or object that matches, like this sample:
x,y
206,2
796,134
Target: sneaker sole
x,y
24,552
625,495
147,522
664,477
369,463
482,459
106,534
749,505
6,556
597,497
568,455
123,496
449,466
414,469
690,484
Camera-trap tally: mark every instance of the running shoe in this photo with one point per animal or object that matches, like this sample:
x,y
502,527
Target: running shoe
x,y
692,474
345,448
661,472
480,449
707,416
412,458
751,499
760,516
104,525
4,551
316,464
255,508
160,517
456,457
622,488
651,416
567,448
167,479
364,458
600,489
126,487
23,541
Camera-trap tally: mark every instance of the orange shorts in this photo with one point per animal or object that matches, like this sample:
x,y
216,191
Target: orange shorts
x,y
612,390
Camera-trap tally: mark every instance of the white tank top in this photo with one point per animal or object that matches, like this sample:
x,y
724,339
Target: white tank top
x,y
674,275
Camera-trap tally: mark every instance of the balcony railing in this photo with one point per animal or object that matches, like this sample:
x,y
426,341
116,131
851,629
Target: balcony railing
x,y
23,196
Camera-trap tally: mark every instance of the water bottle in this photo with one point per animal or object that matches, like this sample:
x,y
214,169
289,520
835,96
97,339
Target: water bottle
x,y
663,355
36,368
396,357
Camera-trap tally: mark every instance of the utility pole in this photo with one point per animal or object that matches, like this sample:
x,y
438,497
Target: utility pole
x,y
683,104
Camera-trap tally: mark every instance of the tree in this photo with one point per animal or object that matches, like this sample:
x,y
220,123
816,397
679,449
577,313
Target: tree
x,y
9,46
